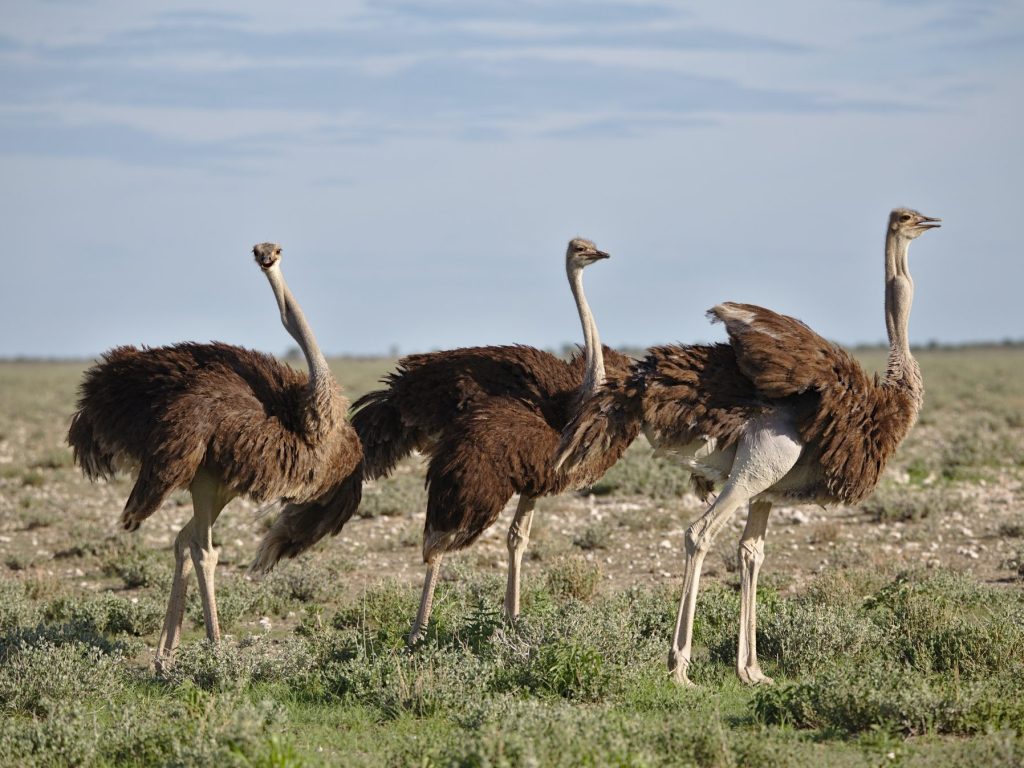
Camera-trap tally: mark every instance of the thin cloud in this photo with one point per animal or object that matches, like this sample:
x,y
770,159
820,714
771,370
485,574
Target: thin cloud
x,y
41,134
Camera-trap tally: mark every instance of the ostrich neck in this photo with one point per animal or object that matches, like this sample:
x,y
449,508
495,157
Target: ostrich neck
x,y
594,375
902,370
321,388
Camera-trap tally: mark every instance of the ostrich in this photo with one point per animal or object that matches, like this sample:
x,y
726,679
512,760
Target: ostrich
x,y
221,421
490,419
778,414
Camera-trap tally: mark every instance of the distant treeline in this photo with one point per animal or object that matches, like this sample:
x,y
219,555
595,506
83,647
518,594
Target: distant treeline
x,y
567,350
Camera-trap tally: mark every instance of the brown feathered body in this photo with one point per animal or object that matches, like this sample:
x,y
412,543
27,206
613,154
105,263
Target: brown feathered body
x,y
698,400
252,422
488,418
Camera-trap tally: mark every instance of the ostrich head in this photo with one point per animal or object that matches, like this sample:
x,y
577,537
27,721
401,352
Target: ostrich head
x,y
582,252
910,224
266,255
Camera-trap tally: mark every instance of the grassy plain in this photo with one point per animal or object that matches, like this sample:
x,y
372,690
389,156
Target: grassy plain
x,y
894,630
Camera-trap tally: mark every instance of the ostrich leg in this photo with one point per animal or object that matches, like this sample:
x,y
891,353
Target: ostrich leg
x,y
751,555
699,537
763,457
170,636
208,498
419,626
518,538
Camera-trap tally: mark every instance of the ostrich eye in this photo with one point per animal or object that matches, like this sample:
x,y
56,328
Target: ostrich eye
x,y
905,217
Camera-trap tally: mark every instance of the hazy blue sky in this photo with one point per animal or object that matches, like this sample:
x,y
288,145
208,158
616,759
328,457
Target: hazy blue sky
x,y
424,162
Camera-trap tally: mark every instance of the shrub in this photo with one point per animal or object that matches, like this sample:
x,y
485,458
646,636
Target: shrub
x,y
307,582
137,568
394,682
939,621
573,578
571,669
557,734
636,474
597,536
108,613
1013,530
879,696
53,459
35,677
230,665
66,737
717,622
33,479
845,587
803,635
382,611
474,626
16,610
401,494
906,503
195,729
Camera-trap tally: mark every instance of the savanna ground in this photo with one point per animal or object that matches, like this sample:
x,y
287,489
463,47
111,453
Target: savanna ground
x,y
894,630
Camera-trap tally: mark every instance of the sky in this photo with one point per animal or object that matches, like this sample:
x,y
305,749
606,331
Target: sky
x,y
424,162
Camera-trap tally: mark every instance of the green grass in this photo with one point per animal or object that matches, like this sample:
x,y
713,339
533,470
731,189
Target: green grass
x,y
874,665
865,667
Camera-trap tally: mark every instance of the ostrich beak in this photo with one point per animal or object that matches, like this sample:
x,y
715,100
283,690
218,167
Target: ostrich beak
x,y
927,222
601,255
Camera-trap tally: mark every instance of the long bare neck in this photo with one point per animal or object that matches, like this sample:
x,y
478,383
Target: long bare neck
x,y
322,389
902,369
594,376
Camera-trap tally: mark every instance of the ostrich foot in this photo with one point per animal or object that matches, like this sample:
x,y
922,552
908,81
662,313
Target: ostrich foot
x,y
162,664
415,637
753,676
677,667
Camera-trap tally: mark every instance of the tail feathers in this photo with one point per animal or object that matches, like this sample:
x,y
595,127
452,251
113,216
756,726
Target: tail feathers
x,y
96,462
603,427
158,476
385,438
300,526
